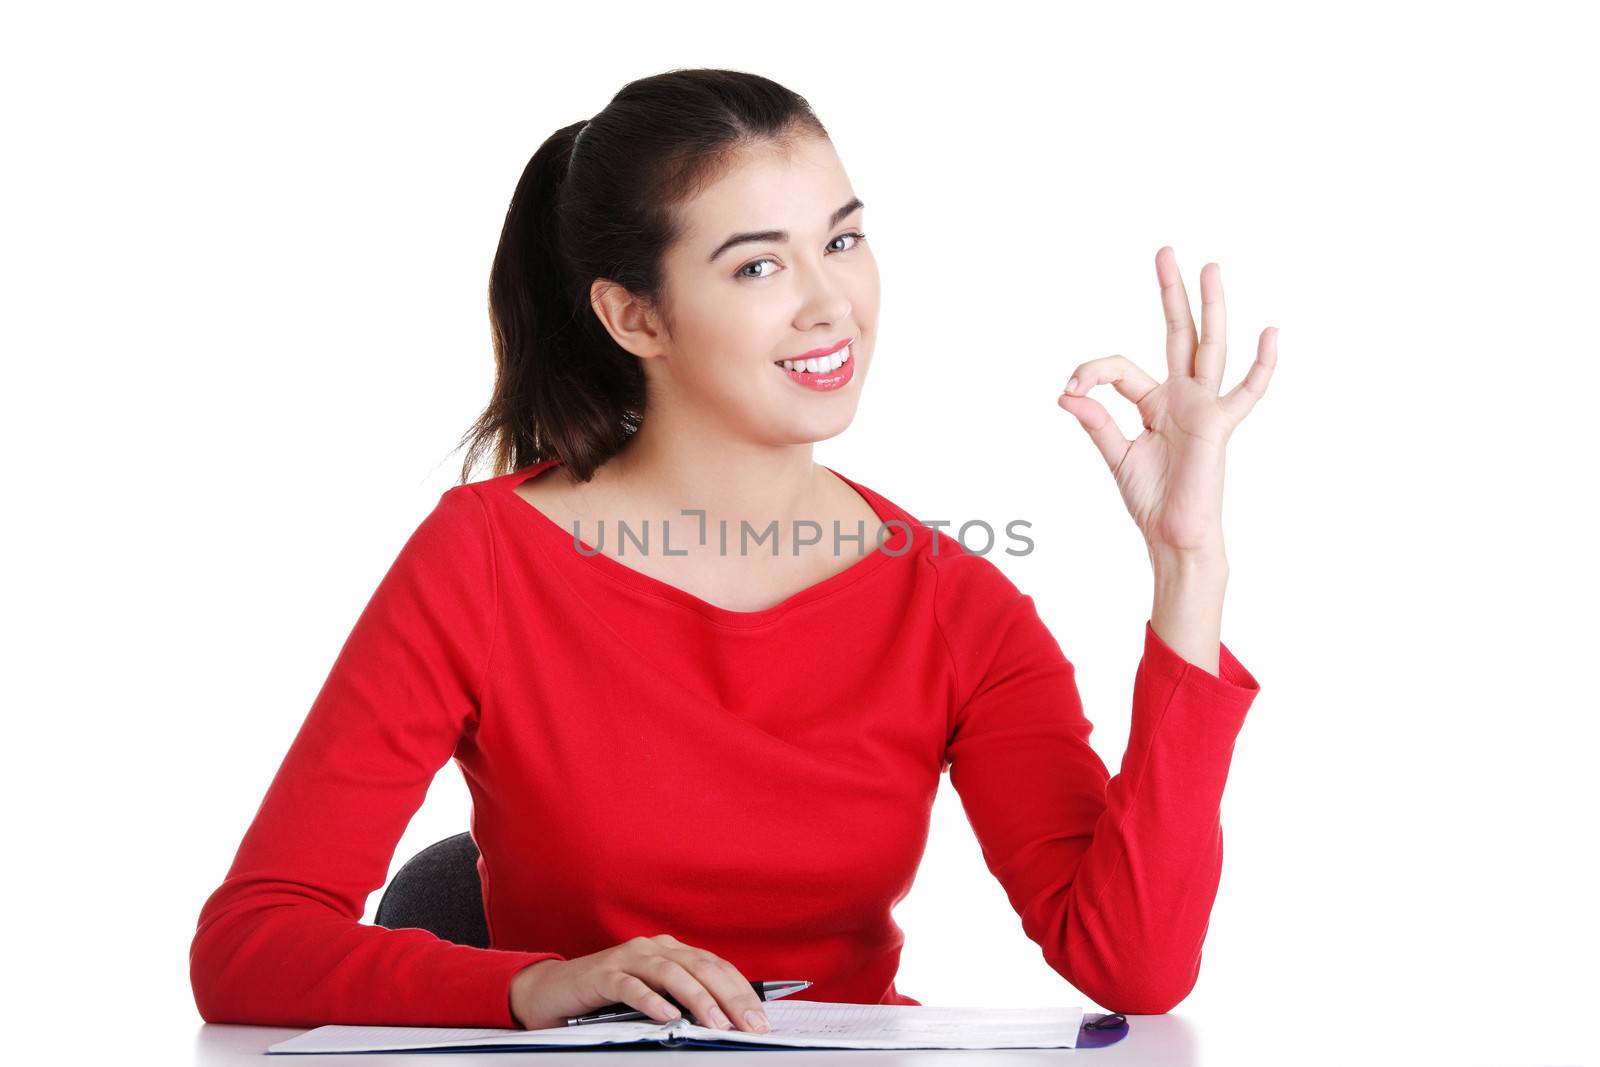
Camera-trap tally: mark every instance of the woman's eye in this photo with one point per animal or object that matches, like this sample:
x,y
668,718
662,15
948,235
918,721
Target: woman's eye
x,y
857,238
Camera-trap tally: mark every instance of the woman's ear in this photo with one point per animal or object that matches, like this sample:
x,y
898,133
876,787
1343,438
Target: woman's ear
x,y
630,321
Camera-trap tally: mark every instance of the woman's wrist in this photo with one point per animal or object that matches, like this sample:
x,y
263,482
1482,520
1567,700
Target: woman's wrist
x,y
1205,563
1186,609
521,993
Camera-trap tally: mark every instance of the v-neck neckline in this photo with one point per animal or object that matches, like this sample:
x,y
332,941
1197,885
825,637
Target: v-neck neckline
x,y
566,546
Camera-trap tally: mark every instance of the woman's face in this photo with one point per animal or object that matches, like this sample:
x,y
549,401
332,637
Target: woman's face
x,y
768,268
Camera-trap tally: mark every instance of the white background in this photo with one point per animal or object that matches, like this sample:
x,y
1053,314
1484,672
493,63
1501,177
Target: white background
x,y
245,259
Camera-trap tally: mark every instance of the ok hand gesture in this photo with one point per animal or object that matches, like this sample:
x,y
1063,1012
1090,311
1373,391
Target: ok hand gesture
x,y
1171,475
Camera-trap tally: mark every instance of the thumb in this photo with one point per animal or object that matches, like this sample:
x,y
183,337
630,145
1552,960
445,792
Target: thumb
x,y
1098,424
1086,409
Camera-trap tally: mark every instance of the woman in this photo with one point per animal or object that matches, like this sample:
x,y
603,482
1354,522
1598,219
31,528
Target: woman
x,y
694,763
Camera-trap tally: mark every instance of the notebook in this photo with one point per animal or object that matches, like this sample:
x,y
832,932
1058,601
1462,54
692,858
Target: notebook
x,y
795,1024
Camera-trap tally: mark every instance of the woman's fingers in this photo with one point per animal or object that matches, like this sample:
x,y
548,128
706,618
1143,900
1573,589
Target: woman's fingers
x,y
1124,375
734,992
1212,354
1100,426
733,995
1180,321
1242,397
636,993
1128,380
689,991
711,987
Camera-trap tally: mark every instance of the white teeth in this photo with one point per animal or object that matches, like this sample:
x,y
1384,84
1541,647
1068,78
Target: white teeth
x,y
821,364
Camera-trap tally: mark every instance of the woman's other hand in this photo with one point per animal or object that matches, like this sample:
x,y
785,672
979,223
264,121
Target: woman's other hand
x,y
637,973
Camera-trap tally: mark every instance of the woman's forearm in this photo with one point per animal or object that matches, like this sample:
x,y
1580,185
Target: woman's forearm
x,y
1187,608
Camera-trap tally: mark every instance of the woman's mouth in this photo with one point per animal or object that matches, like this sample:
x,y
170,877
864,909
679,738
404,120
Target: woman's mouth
x,y
822,374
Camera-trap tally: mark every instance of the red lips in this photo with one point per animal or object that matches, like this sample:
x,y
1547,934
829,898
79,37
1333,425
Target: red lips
x,y
818,352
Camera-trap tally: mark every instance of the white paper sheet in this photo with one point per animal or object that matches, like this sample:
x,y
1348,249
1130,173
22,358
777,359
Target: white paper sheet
x,y
795,1023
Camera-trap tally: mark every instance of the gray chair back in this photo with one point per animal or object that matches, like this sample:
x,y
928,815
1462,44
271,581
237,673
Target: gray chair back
x,y
437,890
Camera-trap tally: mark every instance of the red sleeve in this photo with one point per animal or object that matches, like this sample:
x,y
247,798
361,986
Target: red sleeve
x,y
1113,877
280,942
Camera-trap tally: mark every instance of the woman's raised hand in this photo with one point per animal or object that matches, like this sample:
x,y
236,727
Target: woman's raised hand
x,y
636,973
1171,475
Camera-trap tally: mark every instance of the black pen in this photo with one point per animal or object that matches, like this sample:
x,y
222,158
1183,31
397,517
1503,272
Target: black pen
x,y
621,1013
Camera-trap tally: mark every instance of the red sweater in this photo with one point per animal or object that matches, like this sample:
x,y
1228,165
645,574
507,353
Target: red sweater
x,y
758,784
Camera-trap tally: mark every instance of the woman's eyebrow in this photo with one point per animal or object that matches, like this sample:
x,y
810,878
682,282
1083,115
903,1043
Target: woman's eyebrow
x,y
763,236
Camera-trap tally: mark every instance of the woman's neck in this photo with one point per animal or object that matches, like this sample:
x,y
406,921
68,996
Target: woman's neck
x,y
733,482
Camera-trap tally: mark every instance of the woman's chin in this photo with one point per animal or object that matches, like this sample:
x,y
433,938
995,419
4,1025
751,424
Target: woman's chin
x,y
820,428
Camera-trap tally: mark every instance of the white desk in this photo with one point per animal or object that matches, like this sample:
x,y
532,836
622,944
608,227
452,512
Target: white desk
x,y
1473,1035
1152,1041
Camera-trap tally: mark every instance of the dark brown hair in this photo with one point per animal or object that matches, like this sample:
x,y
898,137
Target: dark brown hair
x,y
596,201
